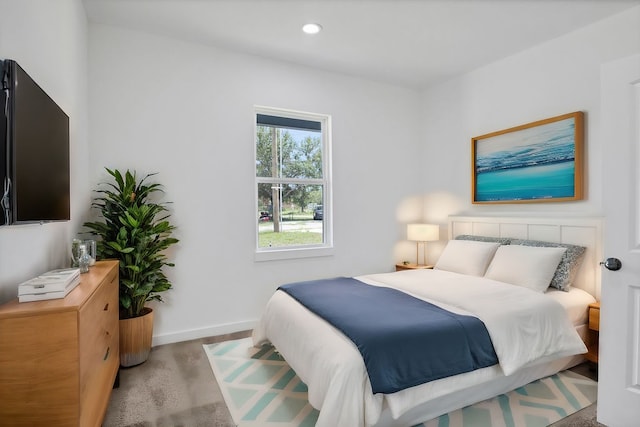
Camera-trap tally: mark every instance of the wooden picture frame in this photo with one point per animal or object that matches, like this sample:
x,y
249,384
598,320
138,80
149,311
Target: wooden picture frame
x,y
537,162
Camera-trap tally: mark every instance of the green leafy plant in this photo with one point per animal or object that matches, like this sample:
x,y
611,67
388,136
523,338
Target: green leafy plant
x,y
136,231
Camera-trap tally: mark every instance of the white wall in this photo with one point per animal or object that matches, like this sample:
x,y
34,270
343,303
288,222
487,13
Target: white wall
x,y
186,111
554,78
49,40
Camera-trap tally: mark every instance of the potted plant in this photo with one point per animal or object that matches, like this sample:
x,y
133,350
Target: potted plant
x,y
136,231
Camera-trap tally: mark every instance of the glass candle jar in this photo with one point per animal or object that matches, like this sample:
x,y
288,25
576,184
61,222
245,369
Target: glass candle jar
x,y
84,260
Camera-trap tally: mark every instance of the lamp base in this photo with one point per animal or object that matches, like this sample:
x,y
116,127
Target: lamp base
x,y
424,253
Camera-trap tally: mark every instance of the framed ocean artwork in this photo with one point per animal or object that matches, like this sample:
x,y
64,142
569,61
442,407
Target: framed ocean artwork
x,y
537,162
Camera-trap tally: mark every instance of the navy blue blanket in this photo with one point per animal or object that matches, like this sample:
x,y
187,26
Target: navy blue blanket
x,y
404,341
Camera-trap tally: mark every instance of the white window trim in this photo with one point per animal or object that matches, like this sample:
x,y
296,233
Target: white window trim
x,y
306,251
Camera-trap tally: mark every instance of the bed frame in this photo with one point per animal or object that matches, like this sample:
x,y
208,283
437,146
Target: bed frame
x,y
583,231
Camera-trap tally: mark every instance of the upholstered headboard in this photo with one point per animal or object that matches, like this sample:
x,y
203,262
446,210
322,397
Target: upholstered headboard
x,y
584,231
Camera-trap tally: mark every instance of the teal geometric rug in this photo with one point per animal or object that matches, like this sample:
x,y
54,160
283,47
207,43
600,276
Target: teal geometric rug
x,y
261,390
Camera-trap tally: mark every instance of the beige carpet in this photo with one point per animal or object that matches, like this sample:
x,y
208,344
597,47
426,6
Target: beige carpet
x,y
174,387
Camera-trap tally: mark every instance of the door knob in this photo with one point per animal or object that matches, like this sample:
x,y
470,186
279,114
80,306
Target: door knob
x,y
613,264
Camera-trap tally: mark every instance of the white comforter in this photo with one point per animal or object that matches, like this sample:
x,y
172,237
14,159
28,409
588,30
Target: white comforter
x,y
525,327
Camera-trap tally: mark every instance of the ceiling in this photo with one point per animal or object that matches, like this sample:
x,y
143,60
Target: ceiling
x,y
412,43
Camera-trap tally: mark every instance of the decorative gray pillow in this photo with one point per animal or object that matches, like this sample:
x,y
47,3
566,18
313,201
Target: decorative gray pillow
x,y
501,240
569,263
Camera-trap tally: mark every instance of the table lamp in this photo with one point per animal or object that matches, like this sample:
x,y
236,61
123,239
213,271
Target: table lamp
x,y
423,233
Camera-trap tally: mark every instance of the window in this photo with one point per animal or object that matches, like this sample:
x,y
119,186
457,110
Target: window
x,y
293,187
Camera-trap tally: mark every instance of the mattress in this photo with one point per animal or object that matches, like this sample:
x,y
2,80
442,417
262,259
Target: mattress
x,y
575,302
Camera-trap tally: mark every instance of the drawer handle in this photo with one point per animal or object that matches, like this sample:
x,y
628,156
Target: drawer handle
x,y
106,307
106,355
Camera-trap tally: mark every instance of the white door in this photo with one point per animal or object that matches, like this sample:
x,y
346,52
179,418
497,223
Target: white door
x,y
619,367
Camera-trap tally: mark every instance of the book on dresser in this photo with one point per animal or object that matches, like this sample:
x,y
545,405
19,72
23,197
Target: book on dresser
x,y
50,285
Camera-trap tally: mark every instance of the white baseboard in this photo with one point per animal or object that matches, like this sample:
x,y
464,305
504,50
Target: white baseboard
x,y
209,331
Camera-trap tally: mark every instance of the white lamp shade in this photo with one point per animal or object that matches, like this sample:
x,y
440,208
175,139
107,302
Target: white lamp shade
x,y
423,232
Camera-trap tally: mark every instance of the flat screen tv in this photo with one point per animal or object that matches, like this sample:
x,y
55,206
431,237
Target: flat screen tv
x,y
34,151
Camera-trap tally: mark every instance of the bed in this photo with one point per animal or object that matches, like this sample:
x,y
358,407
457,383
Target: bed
x,y
334,370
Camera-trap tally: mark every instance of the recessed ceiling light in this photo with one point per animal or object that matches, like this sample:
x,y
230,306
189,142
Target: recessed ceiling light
x,y
311,28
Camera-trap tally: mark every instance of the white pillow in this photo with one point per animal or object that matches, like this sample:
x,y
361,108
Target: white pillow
x,y
466,257
529,266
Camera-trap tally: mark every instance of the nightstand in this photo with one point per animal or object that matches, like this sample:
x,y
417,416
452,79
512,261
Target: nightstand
x,y
593,335
400,267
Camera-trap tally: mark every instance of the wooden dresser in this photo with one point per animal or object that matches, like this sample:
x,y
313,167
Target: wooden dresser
x,y
59,358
